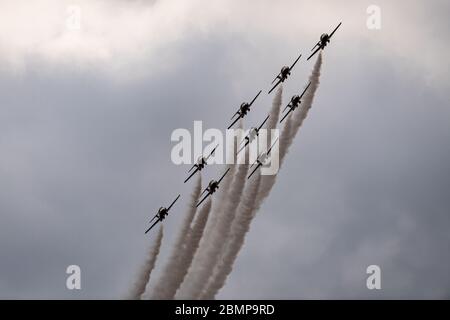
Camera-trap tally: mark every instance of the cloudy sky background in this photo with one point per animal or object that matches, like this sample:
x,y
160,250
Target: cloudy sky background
x,y
86,117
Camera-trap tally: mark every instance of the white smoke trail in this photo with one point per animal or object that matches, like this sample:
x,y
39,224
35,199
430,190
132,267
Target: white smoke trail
x,y
192,244
212,246
246,214
222,196
144,274
224,264
173,273
226,183
293,124
206,258
268,181
239,229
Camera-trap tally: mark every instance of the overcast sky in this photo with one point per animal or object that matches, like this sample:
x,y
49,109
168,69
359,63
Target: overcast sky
x,y
86,118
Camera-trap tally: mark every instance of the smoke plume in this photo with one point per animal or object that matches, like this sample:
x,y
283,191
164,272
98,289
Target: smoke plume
x,y
206,258
239,229
230,251
192,244
248,208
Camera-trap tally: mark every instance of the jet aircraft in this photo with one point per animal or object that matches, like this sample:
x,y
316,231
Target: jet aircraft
x,y
323,41
294,103
161,214
262,159
201,163
212,187
284,73
243,110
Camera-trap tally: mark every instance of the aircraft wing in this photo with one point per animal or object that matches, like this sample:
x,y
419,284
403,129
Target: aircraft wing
x,y
305,89
246,143
255,98
317,44
234,115
211,153
206,189
276,84
192,167
156,215
259,128
235,120
256,161
190,176
290,110
204,198
254,170
295,62
245,138
173,202
334,30
152,226
312,54
277,77
223,175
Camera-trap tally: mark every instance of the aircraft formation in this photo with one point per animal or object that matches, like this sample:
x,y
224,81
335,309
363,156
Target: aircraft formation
x,y
243,110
